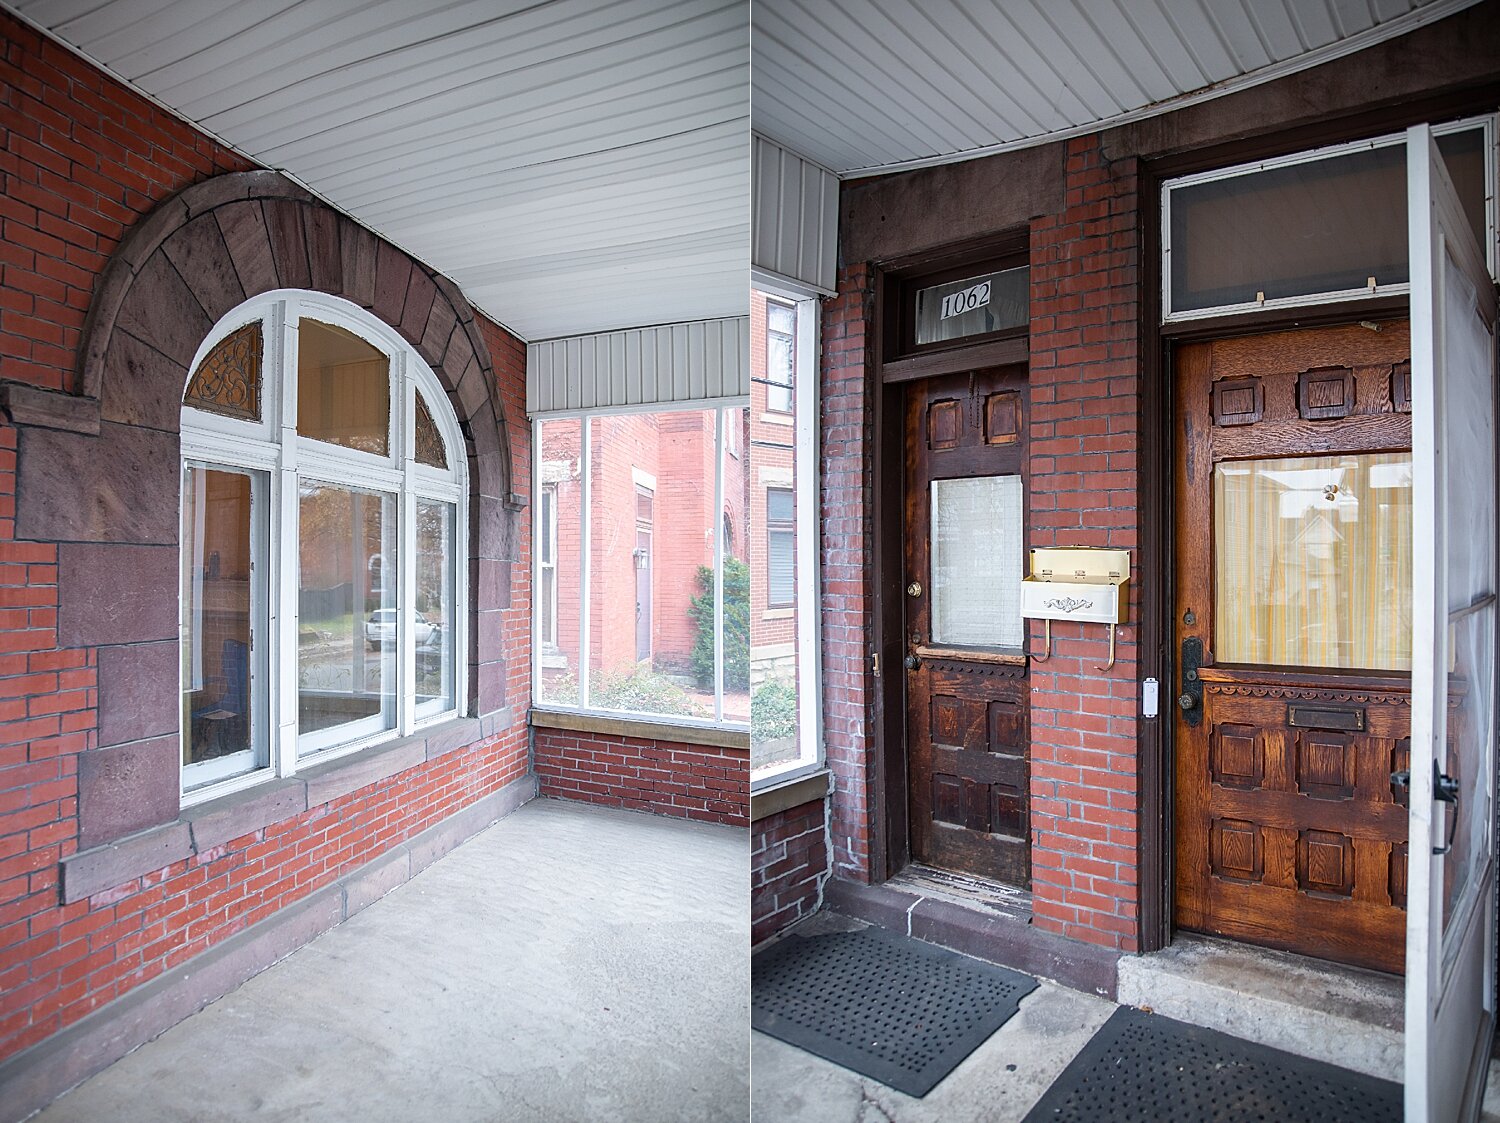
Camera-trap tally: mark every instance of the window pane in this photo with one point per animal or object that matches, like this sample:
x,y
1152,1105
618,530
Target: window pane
x,y
1318,226
343,389
781,335
1313,561
434,621
227,381
736,680
220,607
651,598
774,725
347,618
429,441
973,306
559,465
976,562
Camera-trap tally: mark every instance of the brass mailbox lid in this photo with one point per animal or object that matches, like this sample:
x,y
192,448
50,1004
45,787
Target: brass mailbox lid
x,y
1079,563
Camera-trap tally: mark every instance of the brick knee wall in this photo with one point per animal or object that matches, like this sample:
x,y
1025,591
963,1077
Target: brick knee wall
x,y
788,865
703,782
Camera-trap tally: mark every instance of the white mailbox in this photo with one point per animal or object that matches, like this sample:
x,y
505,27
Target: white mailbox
x,y
1091,586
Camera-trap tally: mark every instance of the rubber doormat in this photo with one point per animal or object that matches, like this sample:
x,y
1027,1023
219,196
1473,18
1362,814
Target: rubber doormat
x,y
894,1009
1143,1068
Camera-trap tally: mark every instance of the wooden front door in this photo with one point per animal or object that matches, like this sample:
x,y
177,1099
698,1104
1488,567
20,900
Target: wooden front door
x,y
966,696
1293,620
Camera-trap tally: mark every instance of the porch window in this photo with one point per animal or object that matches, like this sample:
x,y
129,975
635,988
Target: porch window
x,y
642,606
1311,228
785,733
321,594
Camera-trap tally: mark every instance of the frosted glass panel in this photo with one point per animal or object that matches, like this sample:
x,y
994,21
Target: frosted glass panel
x,y
976,562
1313,561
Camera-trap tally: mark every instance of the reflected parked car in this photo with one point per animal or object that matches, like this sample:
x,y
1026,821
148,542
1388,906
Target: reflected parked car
x,y
380,627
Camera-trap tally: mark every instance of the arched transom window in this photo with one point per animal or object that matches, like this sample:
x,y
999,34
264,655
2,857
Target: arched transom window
x,y
323,532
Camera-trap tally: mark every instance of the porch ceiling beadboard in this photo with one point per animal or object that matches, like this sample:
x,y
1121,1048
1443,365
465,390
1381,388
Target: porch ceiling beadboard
x,y
795,217
865,86
695,362
575,166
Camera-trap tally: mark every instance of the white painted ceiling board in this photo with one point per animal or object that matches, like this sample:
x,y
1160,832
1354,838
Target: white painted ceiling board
x,y
867,86
574,165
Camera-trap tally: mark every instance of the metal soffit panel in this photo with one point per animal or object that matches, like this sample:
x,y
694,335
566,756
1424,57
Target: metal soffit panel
x,y
865,86
575,165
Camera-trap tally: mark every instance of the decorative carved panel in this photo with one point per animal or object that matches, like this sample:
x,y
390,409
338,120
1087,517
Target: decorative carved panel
x,y
944,424
1325,863
1002,418
1236,850
946,720
1237,757
1401,387
1325,393
1007,728
1325,764
1398,875
429,448
947,799
227,381
1238,401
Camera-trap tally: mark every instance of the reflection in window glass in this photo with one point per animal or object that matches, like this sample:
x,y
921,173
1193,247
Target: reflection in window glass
x,y
220,606
976,562
347,618
735,475
973,306
781,335
780,540
433,623
343,389
1313,561
560,577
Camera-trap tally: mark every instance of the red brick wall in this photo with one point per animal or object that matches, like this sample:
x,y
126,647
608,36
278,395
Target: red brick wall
x,y
84,160
1084,410
788,865
664,777
847,548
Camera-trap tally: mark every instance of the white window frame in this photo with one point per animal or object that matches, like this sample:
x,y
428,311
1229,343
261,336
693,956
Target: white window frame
x,y
808,548
719,407
1486,123
547,559
273,446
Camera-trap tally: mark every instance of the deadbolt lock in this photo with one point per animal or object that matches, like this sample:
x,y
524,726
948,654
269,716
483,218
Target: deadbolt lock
x,y
914,589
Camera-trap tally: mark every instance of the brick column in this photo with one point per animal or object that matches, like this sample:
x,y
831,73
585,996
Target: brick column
x,y
1084,395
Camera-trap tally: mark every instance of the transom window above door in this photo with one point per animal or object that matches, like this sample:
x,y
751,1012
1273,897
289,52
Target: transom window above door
x,y
323,500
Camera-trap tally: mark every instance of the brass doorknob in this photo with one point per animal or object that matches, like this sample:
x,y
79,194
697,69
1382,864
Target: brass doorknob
x,y
914,589
912,662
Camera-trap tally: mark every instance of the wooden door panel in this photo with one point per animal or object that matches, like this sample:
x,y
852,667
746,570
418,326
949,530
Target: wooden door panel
x,y
967,717
1288,829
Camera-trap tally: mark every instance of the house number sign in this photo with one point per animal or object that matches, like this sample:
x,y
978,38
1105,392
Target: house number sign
x,y
965,300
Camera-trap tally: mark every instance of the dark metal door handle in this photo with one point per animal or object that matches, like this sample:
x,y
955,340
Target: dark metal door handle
x,y
1191,698
912,662
1445,790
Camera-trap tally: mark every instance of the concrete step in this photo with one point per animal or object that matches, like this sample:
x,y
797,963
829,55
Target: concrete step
x,y
1343,1015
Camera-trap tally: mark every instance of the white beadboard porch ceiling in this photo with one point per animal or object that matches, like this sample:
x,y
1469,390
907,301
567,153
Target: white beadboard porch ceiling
x,y
867,86
575,165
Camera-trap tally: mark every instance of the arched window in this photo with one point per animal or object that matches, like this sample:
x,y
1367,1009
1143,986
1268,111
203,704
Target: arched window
x,y
323,536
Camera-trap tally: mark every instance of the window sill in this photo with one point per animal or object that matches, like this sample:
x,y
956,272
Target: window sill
x,y
785,795
785,612
643,728
214,822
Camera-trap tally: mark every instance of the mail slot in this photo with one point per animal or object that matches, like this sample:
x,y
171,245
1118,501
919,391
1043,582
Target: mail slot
x,y
1345,719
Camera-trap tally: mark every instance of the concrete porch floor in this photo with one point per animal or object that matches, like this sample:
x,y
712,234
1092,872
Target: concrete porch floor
x,y
998,1083
568,963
